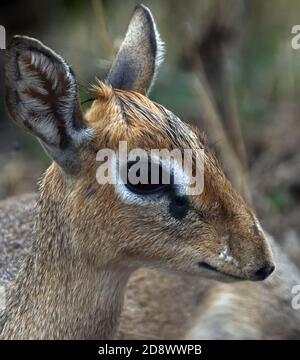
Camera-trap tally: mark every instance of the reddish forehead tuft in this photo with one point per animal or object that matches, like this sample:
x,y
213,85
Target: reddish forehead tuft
x,y
124,115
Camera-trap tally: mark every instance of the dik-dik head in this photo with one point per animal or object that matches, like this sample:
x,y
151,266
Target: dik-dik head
x,y
213,233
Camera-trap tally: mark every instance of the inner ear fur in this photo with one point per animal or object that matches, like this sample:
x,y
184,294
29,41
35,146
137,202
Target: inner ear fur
x,y
42,96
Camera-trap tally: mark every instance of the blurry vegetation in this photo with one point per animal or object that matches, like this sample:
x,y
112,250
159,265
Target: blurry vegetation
x,y
239,51
280,199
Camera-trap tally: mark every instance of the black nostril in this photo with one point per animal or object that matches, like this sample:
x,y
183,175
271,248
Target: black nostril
x,y
263,272
272,268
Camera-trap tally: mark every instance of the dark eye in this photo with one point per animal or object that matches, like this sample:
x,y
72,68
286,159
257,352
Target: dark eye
x,y
153,179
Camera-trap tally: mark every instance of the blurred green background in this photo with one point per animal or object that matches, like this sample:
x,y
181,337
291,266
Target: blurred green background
x,y
241,48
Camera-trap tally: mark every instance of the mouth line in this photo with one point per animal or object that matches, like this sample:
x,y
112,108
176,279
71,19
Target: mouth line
x,y
206,266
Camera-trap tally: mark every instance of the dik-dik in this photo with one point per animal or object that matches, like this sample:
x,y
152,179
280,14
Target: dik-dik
x,y
89,237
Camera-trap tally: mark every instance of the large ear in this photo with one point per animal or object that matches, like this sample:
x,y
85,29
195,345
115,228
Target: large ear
x,y
140,54
42,96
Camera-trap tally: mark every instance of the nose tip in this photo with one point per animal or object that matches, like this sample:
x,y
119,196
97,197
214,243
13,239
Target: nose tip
x,y
263,272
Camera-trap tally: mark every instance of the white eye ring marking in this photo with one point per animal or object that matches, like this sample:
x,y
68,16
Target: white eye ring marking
x,y
128,196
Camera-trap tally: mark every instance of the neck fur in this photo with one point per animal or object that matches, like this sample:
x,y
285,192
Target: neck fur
x,y
59,294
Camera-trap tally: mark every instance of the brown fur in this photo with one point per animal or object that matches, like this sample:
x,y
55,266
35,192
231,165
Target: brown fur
x,y
159,305
85,248
88,239
258,311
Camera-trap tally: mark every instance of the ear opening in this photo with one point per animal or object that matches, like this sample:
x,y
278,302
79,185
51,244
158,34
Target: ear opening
x,y
140,54
42,96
